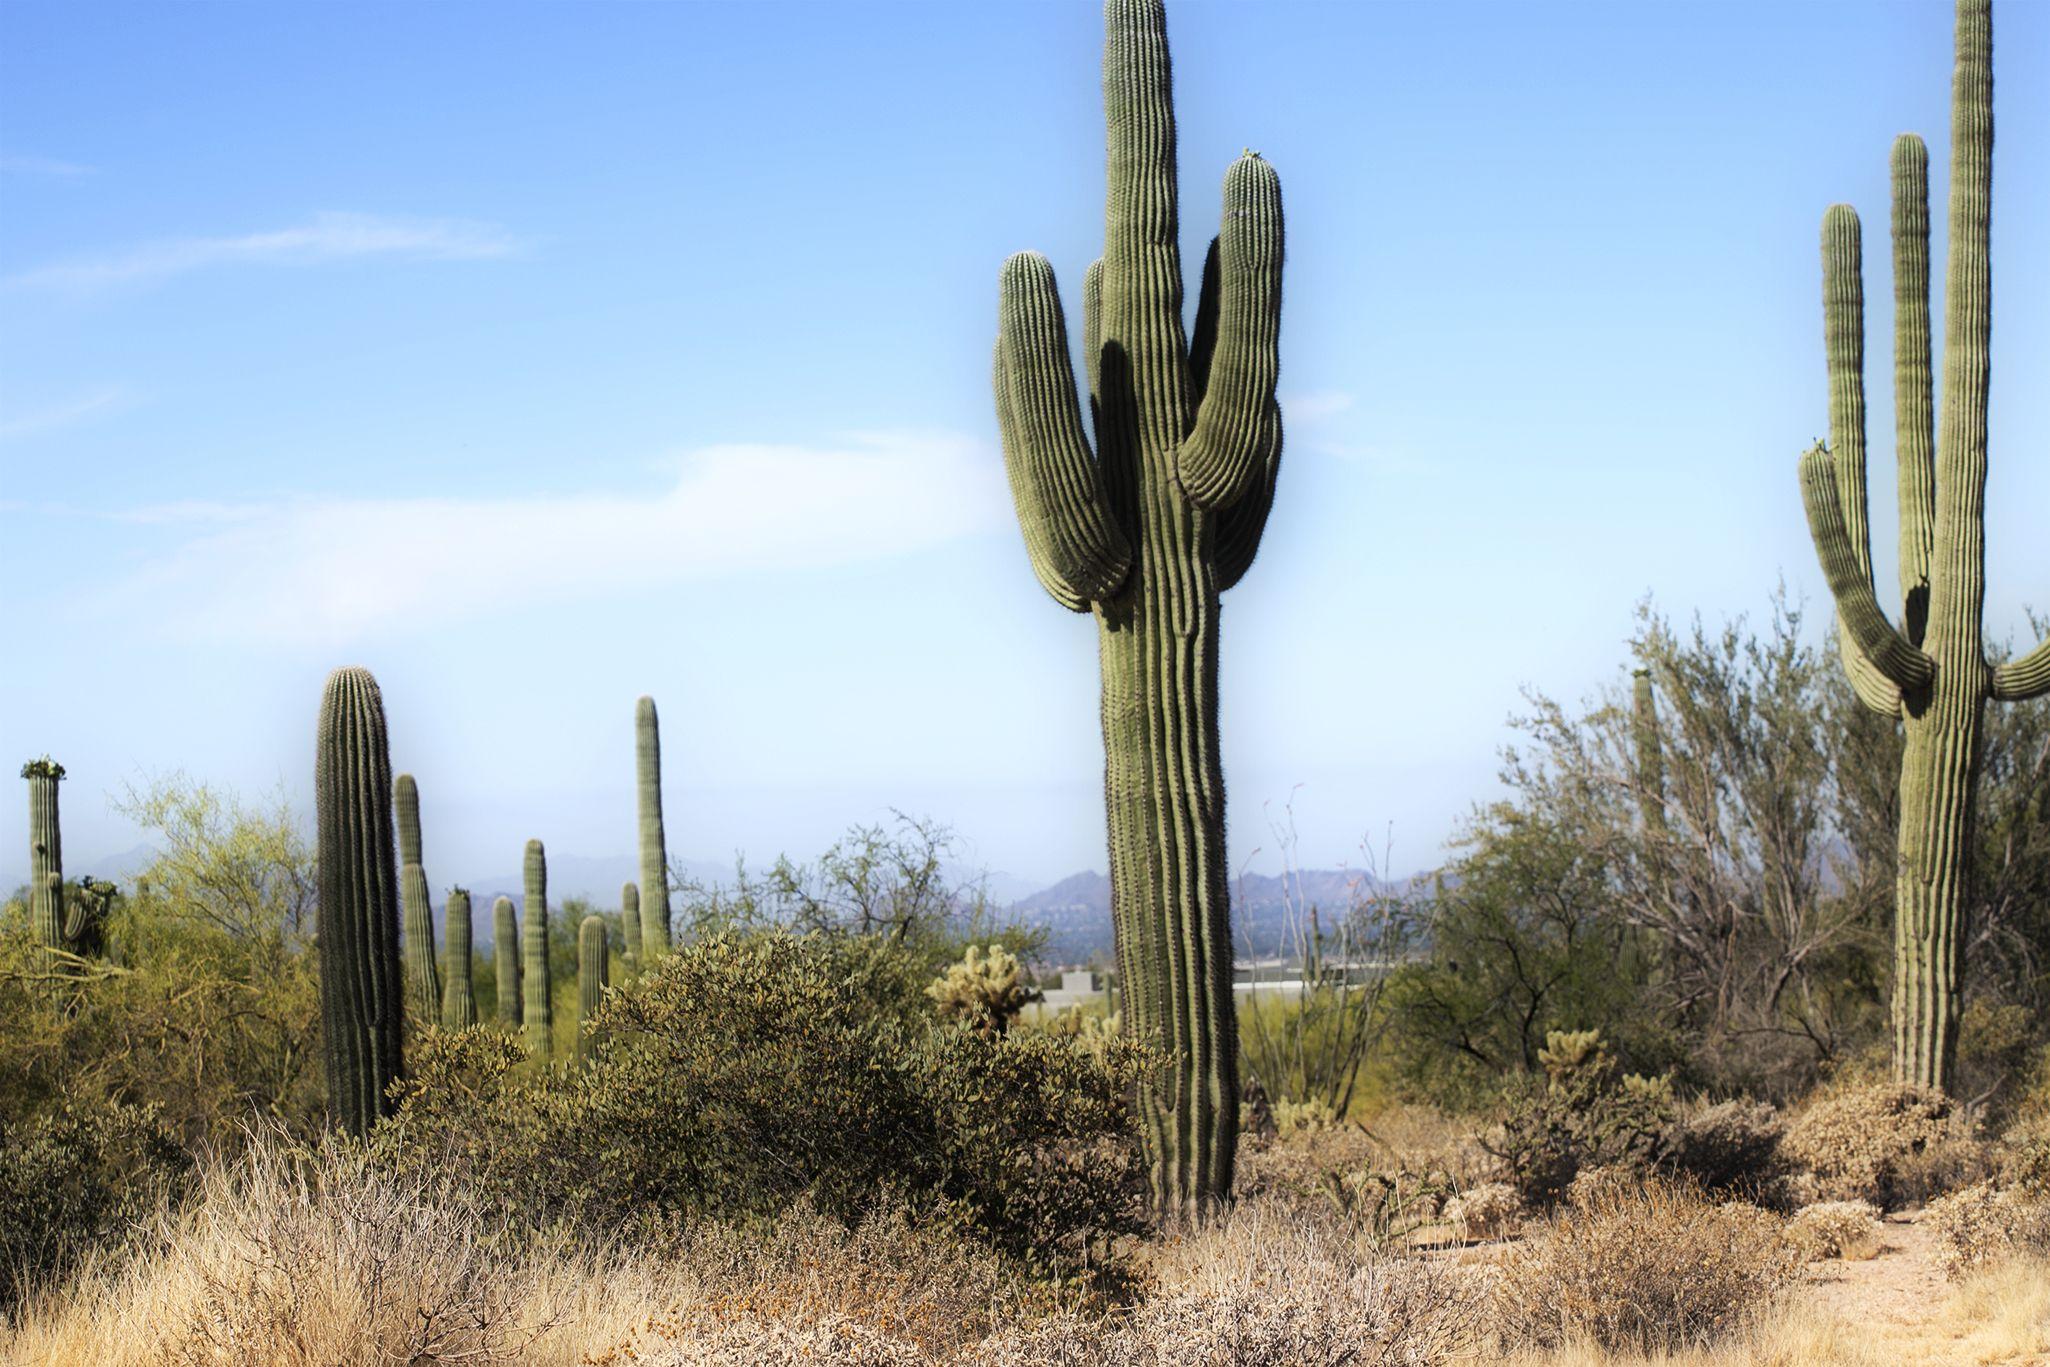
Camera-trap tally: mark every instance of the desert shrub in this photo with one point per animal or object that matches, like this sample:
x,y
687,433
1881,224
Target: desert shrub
x,y
748,1071
1836,1229
1652,1268
1730,1146
74,1180
1598,1183
1884,1143
1584,1114
1491,1211
1984,1224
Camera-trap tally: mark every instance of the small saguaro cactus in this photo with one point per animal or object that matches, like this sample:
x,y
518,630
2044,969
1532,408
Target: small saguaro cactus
x,y
45,852
654,886
592,952
1930,671
458,994
537,1000
1146,532
505,959
630,924
423,978
362,1006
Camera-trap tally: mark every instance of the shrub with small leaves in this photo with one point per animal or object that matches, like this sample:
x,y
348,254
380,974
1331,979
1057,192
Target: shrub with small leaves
x,y
1849,1230
1984,1224
1730,1146
1491,1211
1884,1143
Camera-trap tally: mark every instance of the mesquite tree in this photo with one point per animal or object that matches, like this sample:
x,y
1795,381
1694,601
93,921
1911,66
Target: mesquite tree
x,y
1930,671
1145,532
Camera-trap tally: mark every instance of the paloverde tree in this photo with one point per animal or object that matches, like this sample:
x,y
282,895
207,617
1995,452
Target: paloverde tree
x,y
1145,531
1930,670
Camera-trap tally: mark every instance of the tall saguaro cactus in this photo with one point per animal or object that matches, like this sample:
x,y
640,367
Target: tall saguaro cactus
x,y
423,978
45,852
630,924
654,889
505,959
1145,532
538,1003
1930,671
361,1003
592,955
459,995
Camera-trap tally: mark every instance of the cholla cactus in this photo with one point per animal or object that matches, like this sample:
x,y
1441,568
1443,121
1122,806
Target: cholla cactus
x,y
1568,1052
985,991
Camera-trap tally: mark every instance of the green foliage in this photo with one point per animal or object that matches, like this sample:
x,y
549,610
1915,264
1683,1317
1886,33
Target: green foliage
x,y
747,1071
75,1180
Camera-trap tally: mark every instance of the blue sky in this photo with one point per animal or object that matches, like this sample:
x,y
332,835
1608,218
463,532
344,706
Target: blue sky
x,y
538,356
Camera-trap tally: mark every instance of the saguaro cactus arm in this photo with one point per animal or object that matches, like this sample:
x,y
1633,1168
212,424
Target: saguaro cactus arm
x,y
1073,541
1222,460
2028,677
1873,640
1913,401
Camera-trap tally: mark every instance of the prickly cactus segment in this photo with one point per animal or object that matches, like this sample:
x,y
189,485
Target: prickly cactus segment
x,y
458,994
45,852
505,958
654,885
423,978
1930,671
1145,530
361,987
591,976
539,1008
630,924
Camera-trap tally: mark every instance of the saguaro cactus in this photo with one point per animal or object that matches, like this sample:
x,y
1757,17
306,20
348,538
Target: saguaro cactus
x,y
45,852
630,924
538,1004
1651,757
505,958
654,889
423,978
361,1004
458,996
1146,533
1931,670
591,975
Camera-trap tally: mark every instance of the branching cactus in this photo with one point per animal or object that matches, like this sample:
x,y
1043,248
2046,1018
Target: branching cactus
x,y
654,887
1145,531
458,995
538,1003
362,1008
423,978
1929,669
45,852
630,925
505,959
591,975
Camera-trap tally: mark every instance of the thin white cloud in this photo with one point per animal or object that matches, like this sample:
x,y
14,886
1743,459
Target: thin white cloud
x,y
16,165
14,425
1314,406
323,238
332,571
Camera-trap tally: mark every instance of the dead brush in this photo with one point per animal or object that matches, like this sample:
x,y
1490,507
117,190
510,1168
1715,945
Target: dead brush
x,y
1648,1269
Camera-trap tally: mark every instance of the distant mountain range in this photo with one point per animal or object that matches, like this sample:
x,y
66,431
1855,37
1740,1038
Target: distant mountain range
x,y
1075,911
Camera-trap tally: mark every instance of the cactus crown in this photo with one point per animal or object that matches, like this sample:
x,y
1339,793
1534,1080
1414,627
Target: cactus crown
x,y
45,767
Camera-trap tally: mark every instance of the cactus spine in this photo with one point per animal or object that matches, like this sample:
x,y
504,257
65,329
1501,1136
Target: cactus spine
x,y
630,925
591,975
362,1007
458,995
45,852
654,888
423,979
539,1008
1931,671
505,958
1146,532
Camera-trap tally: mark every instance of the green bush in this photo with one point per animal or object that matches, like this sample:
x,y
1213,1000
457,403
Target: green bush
x,y
751,1070
73,1179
